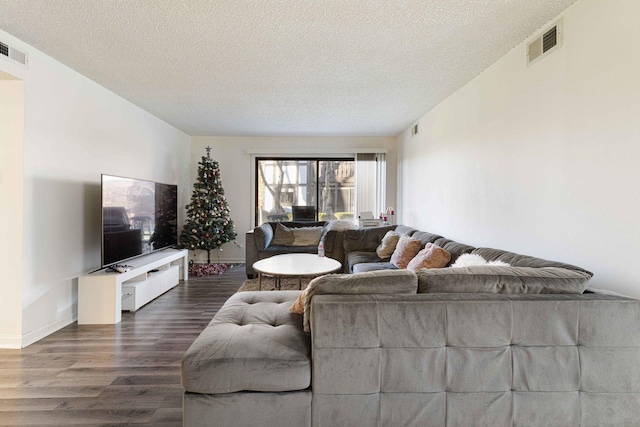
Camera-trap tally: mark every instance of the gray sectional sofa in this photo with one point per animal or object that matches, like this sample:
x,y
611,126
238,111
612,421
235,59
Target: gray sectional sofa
x,y
472,346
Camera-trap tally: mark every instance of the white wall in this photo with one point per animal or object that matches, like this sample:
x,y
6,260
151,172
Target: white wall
x,y
541,160
75,130
11,209
236,156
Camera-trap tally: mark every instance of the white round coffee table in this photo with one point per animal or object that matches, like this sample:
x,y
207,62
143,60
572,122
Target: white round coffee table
x,y
294,265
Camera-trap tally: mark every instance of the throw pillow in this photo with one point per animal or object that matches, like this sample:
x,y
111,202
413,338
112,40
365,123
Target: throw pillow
x,y
340,225
406,249
469,260
518,260
466,260
306,236
283,236
388,244
432,256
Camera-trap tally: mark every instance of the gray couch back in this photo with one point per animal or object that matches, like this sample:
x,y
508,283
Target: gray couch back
x,y
263,234
475,359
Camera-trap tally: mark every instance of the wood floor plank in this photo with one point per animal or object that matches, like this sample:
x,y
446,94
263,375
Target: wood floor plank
x,y
80,417
116,375
50,391
116,372
34,404
146,380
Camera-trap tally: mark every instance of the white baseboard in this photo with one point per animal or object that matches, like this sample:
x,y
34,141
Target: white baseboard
x,y
46,330
218,261
234,261
10,341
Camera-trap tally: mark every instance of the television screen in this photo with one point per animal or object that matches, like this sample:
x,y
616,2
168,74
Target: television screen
x,y
138,217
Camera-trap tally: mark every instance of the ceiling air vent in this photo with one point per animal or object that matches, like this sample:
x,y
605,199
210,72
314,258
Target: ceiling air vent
x,y
13,55
544,44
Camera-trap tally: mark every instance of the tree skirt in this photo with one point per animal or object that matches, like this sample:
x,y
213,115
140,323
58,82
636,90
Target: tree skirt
x,y
199,270
268,284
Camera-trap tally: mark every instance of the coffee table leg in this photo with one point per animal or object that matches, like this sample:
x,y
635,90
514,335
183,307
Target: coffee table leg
x,y
259,281
299,283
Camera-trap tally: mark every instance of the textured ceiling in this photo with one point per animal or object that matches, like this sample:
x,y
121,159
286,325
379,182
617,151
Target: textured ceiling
x,y
279,67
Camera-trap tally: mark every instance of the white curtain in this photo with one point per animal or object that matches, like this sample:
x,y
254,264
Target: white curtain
x,y
371,179
381,183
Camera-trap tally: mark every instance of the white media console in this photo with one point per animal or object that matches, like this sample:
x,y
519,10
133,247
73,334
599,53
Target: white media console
x,y
103,295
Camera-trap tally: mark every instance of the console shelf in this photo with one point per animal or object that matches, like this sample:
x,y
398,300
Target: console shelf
x,y
103,295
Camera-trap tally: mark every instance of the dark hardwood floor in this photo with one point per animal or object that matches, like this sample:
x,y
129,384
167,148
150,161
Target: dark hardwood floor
x,y
121,374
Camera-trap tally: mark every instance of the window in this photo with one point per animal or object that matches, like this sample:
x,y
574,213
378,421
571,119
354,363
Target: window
x,y
326,185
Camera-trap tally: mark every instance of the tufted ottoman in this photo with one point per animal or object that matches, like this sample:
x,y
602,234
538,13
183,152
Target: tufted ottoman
x,y
253,344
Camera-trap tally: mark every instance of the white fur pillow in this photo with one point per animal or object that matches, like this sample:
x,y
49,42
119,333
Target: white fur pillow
x,y
467,260
340,225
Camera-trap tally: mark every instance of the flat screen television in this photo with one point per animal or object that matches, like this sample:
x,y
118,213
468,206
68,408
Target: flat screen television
x,y
138,217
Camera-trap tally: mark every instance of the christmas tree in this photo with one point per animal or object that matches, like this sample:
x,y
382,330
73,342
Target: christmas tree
x,y
208,225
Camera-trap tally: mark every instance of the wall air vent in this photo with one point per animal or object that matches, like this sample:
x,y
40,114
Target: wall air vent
x,y
13,55
544,44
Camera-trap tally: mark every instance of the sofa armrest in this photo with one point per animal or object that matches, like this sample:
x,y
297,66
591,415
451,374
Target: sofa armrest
x,y
333,245
250,253
263,236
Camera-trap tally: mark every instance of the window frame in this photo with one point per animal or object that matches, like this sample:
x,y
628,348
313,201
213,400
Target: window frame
x,y
294,158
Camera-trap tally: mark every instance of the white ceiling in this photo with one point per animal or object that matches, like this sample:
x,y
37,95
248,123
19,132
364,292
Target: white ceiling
x,y
279,67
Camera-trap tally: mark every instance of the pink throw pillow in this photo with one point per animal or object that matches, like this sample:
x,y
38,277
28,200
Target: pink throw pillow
x,y
406,249
432,256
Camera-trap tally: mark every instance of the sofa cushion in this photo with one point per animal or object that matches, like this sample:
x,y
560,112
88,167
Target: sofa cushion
x,y
373,282
388,245
425,237
360,257
363,267
406,249
503,280
365,240
404,229
454,248
518,260
306,236
253,343
278,250
432,256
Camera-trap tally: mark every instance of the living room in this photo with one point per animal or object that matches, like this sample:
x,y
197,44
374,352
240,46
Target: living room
x,y
555,138
536,159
